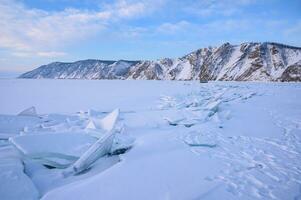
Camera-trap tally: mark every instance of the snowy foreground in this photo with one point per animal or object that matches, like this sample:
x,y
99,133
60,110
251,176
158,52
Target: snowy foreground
x,y
168,140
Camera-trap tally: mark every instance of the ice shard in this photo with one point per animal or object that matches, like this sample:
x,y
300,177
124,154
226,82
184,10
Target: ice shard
x,y
31,111
100,148
57,150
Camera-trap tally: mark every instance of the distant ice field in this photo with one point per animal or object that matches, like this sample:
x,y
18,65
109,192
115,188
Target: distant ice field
x,y
50,96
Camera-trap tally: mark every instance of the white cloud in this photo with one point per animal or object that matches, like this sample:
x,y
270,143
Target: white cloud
x,y
45,54
170,28
125,9
217,7
51,54
27,31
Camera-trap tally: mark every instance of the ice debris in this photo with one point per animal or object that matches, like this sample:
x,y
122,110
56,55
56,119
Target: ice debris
x,y
31,111
74,151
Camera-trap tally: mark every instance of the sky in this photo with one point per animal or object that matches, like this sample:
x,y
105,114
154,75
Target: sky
x,y
37,32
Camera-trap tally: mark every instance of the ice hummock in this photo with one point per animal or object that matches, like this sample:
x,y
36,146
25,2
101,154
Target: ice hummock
x,y
52,147
64,149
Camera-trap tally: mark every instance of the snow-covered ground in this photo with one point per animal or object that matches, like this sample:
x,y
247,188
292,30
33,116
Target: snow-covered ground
x,y
184,140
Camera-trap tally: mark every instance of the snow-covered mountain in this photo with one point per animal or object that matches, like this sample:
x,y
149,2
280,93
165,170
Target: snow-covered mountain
x,y
84,69
244,62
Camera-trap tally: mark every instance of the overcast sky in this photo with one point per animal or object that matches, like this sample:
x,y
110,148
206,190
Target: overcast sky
x,y
36,32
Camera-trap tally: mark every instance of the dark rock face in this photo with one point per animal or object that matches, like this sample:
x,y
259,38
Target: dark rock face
x,y
292,73
213,63
244,62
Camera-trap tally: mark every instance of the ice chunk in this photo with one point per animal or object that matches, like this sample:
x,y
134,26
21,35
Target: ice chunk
x,y
97,150
108,122
15,184
121,144
54,149
174,122
181,121
29,112
100,148
5,136
199,141
90,125
97,128
11,125
213,107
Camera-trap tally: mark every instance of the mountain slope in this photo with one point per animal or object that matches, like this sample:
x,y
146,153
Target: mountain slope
x,y
85,69
244,62
249,61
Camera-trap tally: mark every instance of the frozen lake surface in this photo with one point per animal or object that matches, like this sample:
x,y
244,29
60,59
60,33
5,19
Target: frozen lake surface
x,y
182,140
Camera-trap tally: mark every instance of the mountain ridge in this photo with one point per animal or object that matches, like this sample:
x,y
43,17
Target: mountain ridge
x,y
249,61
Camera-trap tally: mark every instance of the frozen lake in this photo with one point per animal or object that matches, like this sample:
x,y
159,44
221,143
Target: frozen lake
x,y
216,140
